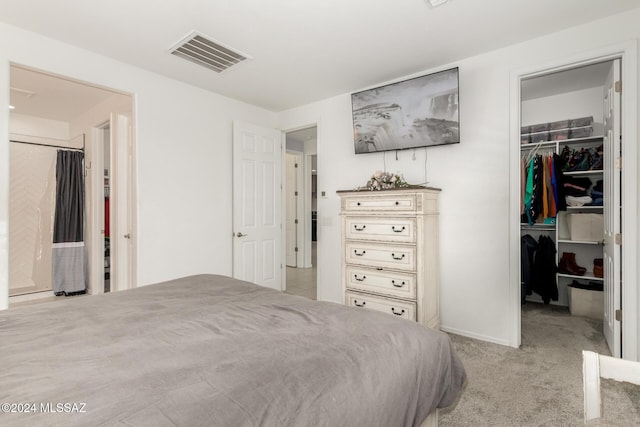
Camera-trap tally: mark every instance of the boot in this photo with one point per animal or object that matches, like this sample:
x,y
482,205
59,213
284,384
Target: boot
x,y
598,267
567,265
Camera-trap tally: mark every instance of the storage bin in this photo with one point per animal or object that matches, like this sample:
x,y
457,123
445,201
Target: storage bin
x,y
559,135
525,130
541,127
586,303
525,139
539,136
583,132
586,227
562,124
581,122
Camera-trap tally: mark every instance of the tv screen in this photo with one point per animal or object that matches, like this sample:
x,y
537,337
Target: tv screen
x,y
418,112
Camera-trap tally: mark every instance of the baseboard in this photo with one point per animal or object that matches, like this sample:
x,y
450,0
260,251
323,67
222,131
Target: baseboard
x,y
475,336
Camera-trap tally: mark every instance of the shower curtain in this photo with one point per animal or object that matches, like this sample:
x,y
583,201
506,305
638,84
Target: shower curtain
x,y
69,259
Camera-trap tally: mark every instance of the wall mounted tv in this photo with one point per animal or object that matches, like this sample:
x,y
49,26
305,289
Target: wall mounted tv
x,y
418,112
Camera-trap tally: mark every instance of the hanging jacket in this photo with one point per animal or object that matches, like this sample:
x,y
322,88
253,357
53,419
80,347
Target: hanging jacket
x,y
528,247
544,270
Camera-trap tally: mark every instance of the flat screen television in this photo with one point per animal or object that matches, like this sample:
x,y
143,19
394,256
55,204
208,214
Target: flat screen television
x,y
418,112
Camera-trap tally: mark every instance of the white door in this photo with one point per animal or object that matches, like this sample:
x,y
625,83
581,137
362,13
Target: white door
x,y
612,188
291,228
257,204
100,138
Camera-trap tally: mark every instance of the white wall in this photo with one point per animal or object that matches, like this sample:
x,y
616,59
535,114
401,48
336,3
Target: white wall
x,y
22,124
572,105
183,137
474,176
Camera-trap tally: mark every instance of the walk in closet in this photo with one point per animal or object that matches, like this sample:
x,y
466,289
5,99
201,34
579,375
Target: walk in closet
x,y
570,188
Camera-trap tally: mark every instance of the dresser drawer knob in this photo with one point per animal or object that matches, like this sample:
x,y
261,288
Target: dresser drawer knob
x,y
355,251
397,203
393,282
358,203
397,313
355,302
359,279
397,258
398,230
355,226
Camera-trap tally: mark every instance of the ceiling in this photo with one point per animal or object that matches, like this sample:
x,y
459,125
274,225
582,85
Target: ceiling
x,y
301,50
50,97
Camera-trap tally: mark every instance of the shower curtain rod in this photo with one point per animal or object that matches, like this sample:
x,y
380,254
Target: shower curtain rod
x,y
51,145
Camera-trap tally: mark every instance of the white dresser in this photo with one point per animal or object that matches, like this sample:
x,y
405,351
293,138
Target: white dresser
x,y
390,246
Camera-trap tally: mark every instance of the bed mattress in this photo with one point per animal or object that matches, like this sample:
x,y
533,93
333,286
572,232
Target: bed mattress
x,y
210,350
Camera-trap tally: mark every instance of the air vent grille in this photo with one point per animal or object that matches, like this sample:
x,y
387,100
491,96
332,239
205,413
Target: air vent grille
x,y
208,53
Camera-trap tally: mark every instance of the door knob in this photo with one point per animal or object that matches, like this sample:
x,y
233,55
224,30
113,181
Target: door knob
x,y
127,236
239,234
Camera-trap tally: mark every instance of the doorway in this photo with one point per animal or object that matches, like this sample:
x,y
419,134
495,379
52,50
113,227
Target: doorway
x,y
568,91
56,111
301,275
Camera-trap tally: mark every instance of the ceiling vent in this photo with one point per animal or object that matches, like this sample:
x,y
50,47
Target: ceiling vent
x,y
208,53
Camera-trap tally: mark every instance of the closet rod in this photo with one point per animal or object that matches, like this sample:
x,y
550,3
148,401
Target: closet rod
x,y
49,145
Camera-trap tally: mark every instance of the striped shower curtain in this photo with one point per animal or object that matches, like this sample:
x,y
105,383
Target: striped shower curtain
x,y
69,259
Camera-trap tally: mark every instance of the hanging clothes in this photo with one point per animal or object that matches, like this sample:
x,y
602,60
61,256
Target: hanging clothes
x,y
528,246
106,217
543,281
543,189
69,260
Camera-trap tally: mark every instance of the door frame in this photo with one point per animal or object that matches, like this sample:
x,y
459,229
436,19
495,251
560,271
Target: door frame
x,y
628,53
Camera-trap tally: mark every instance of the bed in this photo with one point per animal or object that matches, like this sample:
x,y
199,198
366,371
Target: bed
x,y
209,350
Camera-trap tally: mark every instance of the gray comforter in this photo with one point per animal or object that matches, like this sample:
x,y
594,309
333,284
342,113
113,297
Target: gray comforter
x,y
214,351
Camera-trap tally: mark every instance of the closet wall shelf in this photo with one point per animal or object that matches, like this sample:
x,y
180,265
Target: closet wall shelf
x,y
542,227
587,276
580,242
583,173
584,208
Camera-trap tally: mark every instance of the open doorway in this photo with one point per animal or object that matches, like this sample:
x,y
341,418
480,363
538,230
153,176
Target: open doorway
x,y
566,114
301,212
50,114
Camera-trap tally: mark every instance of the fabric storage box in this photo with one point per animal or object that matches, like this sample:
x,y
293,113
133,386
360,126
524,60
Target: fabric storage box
x,y
586,303
559,135
583,132
562,124
525,129
525,139
586,227
539,136
582,122
541,127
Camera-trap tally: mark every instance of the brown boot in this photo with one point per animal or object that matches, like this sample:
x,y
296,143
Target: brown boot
x,y
567,265
598,267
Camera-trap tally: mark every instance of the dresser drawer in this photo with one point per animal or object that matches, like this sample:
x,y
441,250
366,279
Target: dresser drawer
x,y
377,255
406,310
379,202
402,230
394,283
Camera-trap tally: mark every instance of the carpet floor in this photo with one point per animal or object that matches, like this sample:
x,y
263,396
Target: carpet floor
x,y
539,384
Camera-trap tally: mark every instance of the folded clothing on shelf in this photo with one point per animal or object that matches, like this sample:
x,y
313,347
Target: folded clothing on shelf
x,y
578,200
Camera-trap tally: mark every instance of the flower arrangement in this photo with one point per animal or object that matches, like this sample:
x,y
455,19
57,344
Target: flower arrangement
x,y
385,181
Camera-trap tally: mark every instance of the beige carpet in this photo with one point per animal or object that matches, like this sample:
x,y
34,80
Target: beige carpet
x,y
539,384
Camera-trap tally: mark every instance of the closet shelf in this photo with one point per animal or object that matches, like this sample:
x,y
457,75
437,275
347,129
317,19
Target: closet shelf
x,y
587,172
543,144
584,208
587,276
543,227
580,242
